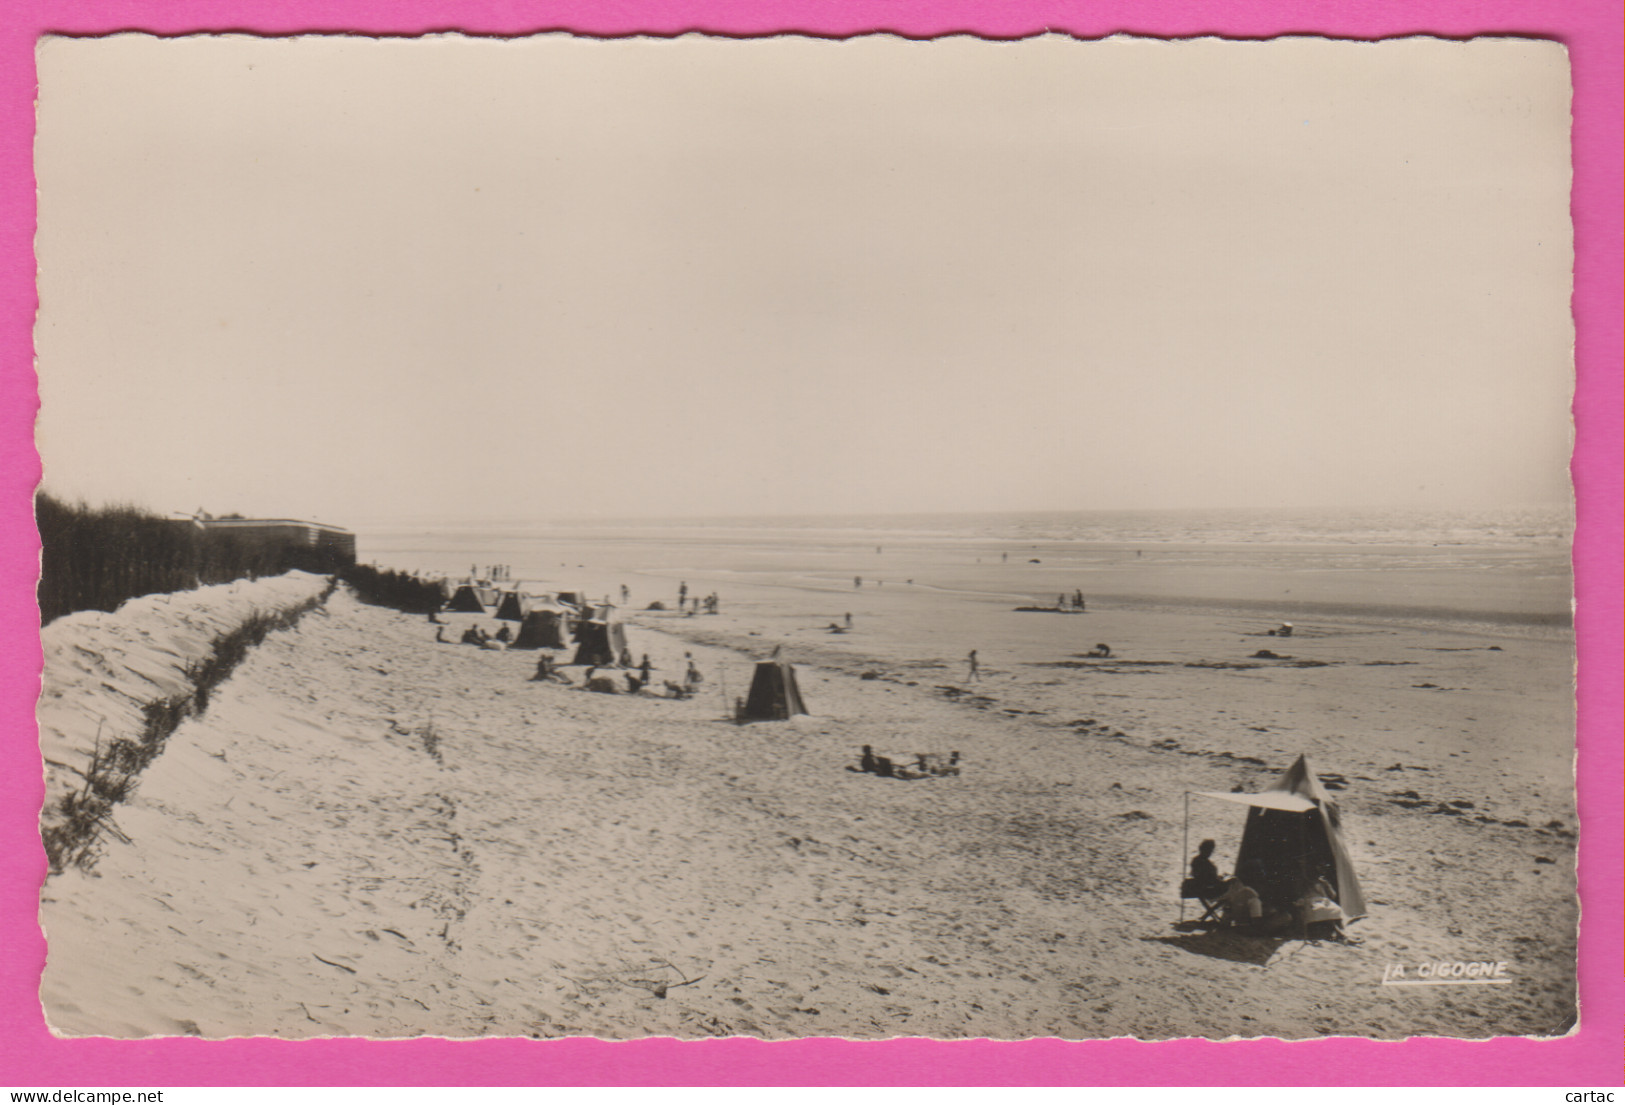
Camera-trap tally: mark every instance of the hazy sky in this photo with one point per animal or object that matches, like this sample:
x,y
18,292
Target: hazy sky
x,y
359,280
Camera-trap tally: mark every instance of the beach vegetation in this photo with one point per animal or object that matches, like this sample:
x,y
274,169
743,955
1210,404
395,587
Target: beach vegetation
x,y
404,591
98,558
430,737
72,834
232,648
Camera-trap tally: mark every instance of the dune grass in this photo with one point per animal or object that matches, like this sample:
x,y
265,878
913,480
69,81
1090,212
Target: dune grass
x,y
75,829
402,591
97,558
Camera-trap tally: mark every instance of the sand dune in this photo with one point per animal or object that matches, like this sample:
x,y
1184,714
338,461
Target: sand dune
x,y
372,834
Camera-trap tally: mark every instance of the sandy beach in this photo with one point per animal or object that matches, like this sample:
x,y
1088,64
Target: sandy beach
x,y
372,834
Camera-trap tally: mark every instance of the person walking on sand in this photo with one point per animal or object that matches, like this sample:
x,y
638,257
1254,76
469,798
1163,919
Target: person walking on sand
x,y
626,596
849,619
682,595
975,671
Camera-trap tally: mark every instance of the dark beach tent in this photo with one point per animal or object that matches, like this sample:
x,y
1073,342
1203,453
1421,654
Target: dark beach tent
x,y
466,601
600,643
513,607
1292,837
774,695
545,628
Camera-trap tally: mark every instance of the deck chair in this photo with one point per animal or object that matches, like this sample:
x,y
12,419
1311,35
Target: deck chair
x,y
1207,895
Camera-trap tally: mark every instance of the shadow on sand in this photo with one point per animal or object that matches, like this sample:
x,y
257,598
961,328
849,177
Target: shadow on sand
x,y
1255,951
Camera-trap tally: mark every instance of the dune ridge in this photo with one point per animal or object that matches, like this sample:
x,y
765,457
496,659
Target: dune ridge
x,y
115,685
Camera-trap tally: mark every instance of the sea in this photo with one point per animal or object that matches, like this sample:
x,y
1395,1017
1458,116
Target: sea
x,y
1506,565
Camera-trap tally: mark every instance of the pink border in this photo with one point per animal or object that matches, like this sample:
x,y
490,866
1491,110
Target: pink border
x,y
1592,30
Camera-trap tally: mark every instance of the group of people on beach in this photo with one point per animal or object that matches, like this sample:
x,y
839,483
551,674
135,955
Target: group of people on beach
x,y
475,635
711,603
1237,904
639,677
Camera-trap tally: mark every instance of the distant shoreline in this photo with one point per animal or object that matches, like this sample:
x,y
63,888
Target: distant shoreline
x,y
1433,617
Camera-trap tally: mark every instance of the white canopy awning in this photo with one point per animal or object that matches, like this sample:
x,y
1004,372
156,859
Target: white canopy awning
x,y
1269,799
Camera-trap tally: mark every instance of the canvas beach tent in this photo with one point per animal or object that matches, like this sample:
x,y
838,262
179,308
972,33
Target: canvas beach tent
x,y
545,627
600,644
513,607
1292,836
774,695
467,600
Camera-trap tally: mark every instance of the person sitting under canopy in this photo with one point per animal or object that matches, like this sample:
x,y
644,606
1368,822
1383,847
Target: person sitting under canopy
x,y
1204,881
1240,904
